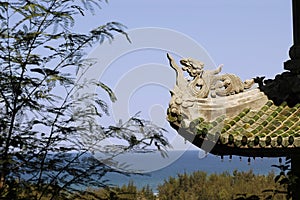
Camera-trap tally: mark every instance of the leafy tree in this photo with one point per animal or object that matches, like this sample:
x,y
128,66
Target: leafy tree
x,y
48,129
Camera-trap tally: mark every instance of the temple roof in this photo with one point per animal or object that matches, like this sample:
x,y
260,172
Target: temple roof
x,y
225,116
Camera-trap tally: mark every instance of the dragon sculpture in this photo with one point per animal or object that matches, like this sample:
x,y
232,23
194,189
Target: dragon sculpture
x,y
201,84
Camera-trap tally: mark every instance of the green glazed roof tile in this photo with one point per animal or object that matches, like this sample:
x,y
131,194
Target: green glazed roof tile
x,y
269,127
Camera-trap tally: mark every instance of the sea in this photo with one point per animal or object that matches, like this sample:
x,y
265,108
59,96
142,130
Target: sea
x,y
155,169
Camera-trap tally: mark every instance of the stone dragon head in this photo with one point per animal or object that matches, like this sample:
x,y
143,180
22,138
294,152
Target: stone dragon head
x,y
192,66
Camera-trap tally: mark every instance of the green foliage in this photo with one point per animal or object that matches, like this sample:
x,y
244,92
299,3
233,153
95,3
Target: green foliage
x,y
48,129
225,186
286,179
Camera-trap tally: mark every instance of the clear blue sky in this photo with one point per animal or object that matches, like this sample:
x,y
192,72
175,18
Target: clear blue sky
x,y
250,37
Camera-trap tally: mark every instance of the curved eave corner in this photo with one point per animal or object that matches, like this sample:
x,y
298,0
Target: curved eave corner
x,y
272,131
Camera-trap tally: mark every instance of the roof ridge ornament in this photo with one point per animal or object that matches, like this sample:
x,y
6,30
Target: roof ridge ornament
x,y
206,83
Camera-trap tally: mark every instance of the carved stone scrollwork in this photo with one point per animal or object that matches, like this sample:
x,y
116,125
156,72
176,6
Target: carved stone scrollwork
x,y
229,84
